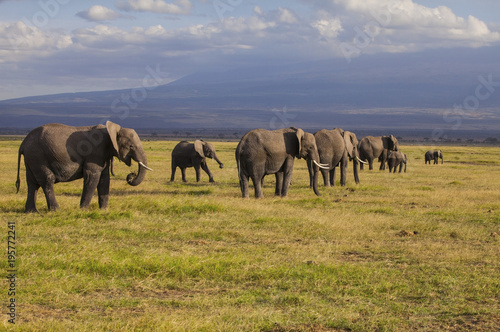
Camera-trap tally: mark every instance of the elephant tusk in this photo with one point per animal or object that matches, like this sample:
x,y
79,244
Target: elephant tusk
x,y
146,167
361,161
324,166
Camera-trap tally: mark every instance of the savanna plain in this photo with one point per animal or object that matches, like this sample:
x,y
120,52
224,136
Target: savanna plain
x,y
397,252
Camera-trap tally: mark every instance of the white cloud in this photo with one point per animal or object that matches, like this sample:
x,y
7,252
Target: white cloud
x,y
107,52
287,16
329,28
396,26
19,41
405,22
182,7
99,13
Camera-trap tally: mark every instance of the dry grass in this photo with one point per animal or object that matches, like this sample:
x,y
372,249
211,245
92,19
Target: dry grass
x,y
197,257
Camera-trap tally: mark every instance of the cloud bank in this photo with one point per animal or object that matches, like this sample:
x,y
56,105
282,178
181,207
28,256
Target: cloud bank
x,y
115,57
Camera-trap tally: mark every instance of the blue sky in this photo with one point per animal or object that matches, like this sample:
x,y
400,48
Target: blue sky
x,y
54,46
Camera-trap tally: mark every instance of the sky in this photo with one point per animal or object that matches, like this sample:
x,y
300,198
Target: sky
x,y
58,46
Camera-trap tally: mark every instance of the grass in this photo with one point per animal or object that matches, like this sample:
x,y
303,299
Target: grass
x,y
197,257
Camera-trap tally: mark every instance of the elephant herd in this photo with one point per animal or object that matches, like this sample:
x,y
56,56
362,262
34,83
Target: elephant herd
x,y
58,153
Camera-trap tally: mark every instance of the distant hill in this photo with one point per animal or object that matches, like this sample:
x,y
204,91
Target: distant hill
x,y
415,91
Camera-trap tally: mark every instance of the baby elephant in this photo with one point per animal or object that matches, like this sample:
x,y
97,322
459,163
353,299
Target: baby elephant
x,y
187,154
433,155
395,159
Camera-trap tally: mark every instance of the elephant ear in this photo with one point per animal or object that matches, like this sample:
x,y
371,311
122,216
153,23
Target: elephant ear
x,y
198,147
300,135
113,130
394,143
348,144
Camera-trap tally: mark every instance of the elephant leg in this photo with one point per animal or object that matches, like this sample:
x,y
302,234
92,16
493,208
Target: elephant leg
x,y
257,183
172,177
333,179
33,186
48,190
244,185
197,169
383,160
343,172
90,183
103,189
204,166
279,184
287,176
183,172
326,177
370,164
31,199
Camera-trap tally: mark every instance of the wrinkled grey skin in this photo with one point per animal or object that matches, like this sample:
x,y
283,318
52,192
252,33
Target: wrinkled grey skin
x,y
58,153
371,148
335,147
261,152
433,155
395,159
195,155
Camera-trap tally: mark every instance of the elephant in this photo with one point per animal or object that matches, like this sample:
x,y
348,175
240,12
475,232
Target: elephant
x,y
336,147
433,155
187,154
395,159
371,148
58,153
261,152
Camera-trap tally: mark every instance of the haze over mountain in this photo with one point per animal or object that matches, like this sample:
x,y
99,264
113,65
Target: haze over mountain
x,y
366,93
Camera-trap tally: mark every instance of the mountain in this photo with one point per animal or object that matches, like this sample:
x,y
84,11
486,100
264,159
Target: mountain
x,y
412,91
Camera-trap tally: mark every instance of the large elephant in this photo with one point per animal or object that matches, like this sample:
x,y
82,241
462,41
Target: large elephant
x,y
371,148
395,159
58,153
433,155
195,155
336,147
261,152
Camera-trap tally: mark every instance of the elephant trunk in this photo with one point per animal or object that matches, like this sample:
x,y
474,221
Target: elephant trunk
x,y
355,168
315,164
134,179
314,181
221,165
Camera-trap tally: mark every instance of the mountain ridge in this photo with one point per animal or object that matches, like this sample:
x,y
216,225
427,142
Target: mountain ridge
x,y
420,91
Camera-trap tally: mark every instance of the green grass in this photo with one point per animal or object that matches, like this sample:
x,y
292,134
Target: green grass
x,y
197,257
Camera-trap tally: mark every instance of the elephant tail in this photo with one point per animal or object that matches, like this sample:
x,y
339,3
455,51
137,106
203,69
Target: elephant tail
x,y
18,181
238,165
